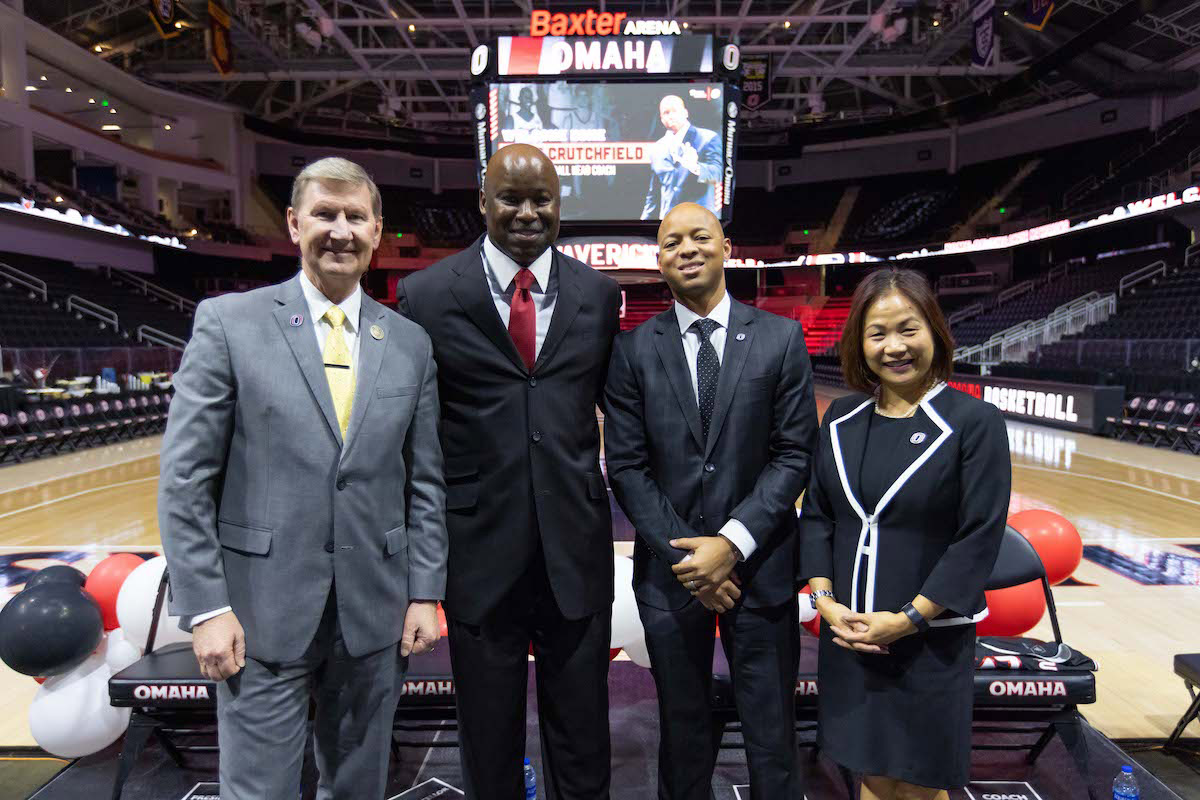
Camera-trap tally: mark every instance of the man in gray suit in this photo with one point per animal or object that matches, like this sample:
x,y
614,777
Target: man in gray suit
x,y
301,504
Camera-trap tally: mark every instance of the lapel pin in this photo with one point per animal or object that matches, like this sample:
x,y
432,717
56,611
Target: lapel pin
x,y
297,320
376,332
740,337
917,437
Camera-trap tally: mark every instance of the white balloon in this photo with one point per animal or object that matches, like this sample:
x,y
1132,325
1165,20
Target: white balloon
x,y
70,715
638,653
626,624
807,612
121,652
135,607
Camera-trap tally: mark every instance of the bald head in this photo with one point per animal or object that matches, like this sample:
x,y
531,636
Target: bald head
x,y
692,250
520,201
519,158
690,216
672,112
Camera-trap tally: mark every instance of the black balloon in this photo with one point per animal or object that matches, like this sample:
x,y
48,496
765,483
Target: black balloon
x,y
57,573
49,629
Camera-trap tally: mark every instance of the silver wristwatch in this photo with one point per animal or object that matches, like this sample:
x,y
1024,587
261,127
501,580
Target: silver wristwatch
x,y
820,593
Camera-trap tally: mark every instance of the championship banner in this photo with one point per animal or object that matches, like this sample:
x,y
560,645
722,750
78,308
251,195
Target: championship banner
x,y
756,81
984,39
162,14
220,47
629,55
1037,13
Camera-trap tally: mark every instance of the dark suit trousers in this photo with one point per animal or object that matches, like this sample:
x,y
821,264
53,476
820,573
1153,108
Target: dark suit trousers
x,y
762,646
491,674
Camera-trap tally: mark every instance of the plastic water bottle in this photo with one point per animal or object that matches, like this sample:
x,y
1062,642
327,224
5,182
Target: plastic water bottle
x,y
1124,785
532,783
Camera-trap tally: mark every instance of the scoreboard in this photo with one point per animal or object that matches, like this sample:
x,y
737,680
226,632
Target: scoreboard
x,y
635,124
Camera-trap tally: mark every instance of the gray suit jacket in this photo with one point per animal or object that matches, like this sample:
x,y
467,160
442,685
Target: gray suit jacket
x,y
262,506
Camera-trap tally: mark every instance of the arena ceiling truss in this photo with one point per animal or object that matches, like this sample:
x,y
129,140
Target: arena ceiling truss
x,y
386,67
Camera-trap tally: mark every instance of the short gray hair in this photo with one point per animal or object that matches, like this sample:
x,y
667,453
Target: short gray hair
x,y
340,170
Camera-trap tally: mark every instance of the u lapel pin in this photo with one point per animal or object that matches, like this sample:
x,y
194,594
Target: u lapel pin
x,y
376,332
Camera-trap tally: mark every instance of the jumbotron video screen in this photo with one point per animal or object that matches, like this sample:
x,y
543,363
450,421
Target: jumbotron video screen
x,y
624,151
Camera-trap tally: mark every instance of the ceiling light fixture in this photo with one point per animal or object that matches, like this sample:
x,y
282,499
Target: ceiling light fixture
x,y
787,23
110,127
112,111
31,88
68,90
91,101
412,28
58,198
166,127
45,78
99,48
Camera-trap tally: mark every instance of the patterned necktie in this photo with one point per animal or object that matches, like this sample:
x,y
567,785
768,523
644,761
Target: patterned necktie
x,y
708,371
338,369
522,318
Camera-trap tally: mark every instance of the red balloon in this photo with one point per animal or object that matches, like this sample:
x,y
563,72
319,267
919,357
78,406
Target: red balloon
x,y
1013,611
104,584
1054,538
442,620
813,626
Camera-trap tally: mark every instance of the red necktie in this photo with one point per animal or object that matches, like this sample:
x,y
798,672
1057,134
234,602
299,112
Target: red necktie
x,y
522,318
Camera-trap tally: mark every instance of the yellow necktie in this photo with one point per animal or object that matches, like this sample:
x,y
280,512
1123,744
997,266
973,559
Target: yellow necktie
x,y
338,369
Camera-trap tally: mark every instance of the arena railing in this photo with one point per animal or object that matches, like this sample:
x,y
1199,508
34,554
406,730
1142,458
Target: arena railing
x,y
1018,342
74,361
1191,256
36,285
1142,275
1133,352
147,288
161,338
94,310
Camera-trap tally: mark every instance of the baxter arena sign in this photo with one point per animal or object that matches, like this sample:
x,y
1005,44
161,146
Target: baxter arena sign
x,y
603,23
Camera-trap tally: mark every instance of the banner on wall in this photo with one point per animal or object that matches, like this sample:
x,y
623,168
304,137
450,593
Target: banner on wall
x,y
756,81
1061,405
983,42
1037,13
220,47
162,14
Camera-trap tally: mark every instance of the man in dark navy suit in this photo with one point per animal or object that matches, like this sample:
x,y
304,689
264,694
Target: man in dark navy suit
x,y
685,162
709,432
522,336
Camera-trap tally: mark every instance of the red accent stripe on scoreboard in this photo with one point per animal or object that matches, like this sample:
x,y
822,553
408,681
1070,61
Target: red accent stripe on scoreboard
x,y
524,55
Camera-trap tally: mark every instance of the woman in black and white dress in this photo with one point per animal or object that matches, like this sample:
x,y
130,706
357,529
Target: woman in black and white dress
x,y
901,525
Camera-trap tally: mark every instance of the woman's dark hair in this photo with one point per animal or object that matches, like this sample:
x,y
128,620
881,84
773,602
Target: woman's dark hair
x,y
913,286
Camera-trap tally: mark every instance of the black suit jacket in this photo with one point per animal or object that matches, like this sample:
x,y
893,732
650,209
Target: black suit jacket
x,y
521,449
754,467
937,532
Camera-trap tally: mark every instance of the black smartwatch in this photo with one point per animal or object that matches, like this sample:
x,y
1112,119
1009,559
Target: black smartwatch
x,y
917,618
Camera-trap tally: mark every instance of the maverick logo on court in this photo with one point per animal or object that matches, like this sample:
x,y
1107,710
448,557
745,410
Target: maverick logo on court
x,y
174,691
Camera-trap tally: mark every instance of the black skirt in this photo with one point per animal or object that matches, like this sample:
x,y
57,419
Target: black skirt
x,y
905,715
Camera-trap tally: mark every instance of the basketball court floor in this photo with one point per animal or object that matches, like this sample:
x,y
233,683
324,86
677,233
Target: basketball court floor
x,y
1135,601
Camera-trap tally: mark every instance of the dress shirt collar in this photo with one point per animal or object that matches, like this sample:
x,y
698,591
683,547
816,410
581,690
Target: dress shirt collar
x,y
505,269
685,316
318,303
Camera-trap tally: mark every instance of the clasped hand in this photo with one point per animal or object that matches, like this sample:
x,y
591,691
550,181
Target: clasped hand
x,y
707,571
871,632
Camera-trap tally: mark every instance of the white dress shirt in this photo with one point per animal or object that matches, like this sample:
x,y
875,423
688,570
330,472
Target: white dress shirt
x,y
318,304
733,530
501,270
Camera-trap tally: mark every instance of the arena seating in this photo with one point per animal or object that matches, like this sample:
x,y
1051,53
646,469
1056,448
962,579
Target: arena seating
x,y
1041,296
132,308
69,424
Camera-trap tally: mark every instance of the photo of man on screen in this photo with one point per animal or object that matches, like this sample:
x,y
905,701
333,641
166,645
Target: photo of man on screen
x,y
685,163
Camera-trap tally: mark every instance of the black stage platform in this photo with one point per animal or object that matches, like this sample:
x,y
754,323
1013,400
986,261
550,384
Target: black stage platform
x,y
634,721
